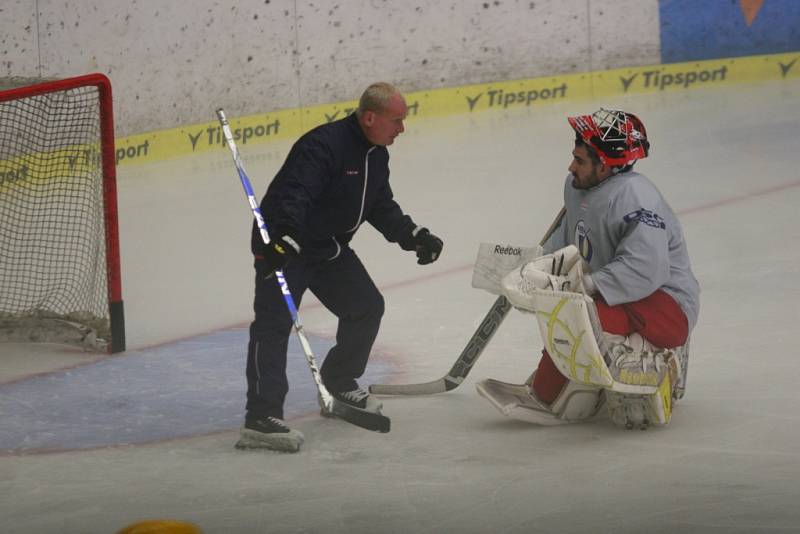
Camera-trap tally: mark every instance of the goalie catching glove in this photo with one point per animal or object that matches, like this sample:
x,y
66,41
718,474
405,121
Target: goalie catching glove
x,y
425,244
563,270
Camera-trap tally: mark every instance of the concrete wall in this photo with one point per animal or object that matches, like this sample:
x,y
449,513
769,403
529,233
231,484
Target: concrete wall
x,y
172,63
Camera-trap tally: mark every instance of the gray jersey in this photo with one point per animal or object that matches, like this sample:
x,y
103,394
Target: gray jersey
x,y
631,239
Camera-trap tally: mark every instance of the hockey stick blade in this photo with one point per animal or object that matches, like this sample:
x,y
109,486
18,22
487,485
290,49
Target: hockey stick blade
x,y
463,364
361,418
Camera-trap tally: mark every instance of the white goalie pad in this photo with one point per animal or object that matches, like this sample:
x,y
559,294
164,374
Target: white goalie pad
x,y
496,260
570,338
640,379
576,402
633,360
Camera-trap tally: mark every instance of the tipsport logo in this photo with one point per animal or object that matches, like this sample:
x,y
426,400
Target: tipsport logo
x,y
498,98
658,79
213,134
14,175
139,151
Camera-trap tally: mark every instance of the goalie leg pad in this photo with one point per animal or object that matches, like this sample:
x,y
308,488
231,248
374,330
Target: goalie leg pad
x,y
682,356
635,361
571,337
575,403
640,411
636,364
644,379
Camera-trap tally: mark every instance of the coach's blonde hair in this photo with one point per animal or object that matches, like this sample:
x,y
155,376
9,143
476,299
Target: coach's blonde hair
x,y
376,97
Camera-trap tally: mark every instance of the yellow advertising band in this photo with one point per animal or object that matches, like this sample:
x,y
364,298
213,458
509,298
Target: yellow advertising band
x,y
291,123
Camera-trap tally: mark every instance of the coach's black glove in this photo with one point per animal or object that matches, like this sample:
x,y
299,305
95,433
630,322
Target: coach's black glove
x,y
427,246
278,252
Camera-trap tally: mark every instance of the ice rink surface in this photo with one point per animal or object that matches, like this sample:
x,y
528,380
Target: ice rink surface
x,y
728,462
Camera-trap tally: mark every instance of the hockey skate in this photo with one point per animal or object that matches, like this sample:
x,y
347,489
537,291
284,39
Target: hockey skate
x,y
269,433
356,398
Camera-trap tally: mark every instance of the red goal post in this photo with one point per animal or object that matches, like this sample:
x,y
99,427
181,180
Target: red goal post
x,y
59,241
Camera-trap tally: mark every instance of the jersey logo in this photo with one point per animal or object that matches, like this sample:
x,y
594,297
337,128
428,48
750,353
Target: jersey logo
x,y
351,173
582,241
645,217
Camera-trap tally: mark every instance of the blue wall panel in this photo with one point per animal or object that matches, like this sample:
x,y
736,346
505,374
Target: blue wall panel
x,y
709,29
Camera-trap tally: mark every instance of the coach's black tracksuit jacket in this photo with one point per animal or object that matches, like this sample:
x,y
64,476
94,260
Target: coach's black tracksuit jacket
x,y
333,180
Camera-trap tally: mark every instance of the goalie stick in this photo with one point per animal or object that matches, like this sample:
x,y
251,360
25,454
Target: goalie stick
x,y
368,420
463,365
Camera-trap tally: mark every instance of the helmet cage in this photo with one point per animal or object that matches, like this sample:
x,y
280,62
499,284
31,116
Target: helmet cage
x,y
619,138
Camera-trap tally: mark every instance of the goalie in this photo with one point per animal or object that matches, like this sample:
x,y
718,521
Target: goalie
x,y
615,297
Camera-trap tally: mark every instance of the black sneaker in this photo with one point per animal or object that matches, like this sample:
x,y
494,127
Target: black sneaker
x,y
358,398
269,433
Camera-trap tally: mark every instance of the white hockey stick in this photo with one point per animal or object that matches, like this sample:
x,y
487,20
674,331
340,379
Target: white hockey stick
x,y
364,419
471,352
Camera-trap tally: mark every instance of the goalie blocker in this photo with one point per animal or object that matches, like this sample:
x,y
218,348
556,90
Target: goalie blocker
x,y
636,381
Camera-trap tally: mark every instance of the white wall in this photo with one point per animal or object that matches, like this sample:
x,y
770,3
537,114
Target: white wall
x,y
172,63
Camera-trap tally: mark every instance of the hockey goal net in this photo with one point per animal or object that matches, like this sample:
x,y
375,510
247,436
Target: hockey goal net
x,y
59,246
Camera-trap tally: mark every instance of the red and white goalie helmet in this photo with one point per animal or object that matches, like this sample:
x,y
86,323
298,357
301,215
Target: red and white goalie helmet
x,y
619,138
